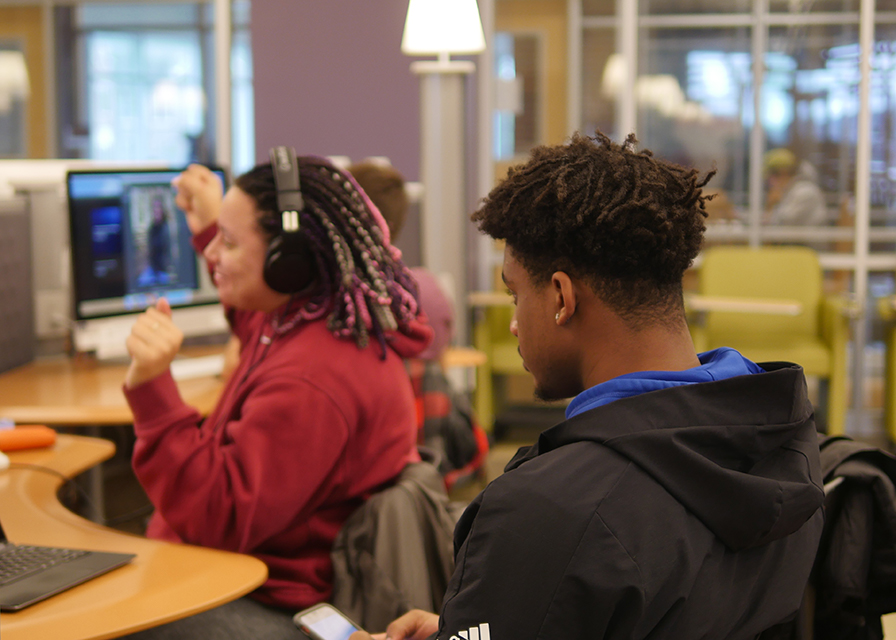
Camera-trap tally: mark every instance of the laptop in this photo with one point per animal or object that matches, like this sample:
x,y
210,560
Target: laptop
x,y
29,574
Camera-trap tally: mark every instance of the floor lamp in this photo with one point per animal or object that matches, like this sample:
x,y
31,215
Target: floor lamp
x,y
442,28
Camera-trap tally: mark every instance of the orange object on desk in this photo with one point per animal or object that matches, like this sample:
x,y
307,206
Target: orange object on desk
x,y
26,436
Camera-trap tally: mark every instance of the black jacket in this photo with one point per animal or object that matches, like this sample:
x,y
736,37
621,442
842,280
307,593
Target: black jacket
x,y
855,573
691,512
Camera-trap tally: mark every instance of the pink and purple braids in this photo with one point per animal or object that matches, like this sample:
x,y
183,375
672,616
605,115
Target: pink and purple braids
x,y
362,283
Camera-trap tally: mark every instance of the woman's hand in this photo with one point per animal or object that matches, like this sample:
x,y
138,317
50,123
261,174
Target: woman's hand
x,y
153,343
414,625
199,194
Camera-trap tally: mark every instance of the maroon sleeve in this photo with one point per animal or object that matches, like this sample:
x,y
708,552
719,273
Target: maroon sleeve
x,y
229,493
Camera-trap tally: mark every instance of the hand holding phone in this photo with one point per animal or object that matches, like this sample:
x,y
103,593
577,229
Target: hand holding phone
x,y
325,622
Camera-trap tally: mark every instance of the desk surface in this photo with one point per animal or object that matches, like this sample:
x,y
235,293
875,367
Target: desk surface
x,y
164,582
63,391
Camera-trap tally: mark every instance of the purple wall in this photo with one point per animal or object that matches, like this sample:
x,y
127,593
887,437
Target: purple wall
x,y
330,79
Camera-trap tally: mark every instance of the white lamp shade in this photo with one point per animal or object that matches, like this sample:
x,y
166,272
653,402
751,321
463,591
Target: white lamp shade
x,y
442,26
13,79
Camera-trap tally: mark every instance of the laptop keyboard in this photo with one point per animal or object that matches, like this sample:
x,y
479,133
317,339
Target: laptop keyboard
x,y
18,561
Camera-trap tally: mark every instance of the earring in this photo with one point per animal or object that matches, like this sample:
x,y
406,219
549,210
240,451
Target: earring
x,y
557,317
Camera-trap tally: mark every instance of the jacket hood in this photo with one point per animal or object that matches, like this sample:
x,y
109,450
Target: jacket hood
x,y
439,312
411,339
741,454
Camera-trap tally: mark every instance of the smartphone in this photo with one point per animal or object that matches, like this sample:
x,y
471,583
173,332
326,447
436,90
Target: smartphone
x,y
325,622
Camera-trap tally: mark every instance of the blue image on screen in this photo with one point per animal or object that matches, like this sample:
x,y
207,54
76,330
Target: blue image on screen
x,y
334,627
105,231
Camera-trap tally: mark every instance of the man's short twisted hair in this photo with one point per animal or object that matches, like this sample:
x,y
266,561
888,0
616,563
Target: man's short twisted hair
x,y
626,222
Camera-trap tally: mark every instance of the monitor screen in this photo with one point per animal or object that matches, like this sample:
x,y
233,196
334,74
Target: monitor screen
x,y
130,243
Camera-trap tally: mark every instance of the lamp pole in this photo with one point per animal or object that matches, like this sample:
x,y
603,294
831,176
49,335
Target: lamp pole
x,y
442,171
442,28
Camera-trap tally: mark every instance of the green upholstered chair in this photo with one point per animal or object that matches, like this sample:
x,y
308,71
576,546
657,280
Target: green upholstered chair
x,y
816,338
886,308
491,335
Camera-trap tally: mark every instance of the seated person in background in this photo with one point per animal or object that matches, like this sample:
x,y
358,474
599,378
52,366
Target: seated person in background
x,y
446,423
793,196
385,186
319,412
682,496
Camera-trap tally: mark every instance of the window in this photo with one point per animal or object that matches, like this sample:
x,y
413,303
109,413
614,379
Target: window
x,y
136,83
517,108
15,88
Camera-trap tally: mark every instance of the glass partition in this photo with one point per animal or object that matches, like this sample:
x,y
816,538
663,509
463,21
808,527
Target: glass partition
x,y
695,105
813,6
601,81
770,93
519,94
598,7
810,102
15,89
674,7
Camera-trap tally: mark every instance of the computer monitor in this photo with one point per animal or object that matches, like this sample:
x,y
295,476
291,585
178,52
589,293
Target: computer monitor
x,y
130,245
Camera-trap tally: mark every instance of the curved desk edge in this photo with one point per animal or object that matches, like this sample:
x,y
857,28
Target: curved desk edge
x,y
165,582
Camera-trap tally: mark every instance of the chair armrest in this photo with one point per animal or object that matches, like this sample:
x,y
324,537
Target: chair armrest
x,y
836,312
463,357
739,304
698,305
489,299
886,308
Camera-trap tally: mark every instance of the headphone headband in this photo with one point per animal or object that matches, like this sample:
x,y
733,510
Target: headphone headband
x,y
286,179
289,263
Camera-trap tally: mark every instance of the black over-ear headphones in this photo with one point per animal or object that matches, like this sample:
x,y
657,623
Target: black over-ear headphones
x,y
289,265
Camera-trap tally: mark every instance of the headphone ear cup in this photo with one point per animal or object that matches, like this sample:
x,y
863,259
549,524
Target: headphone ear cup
x,y
289,265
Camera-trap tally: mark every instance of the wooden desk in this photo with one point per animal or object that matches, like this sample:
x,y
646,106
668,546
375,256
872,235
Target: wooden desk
x,y
164,582
81,392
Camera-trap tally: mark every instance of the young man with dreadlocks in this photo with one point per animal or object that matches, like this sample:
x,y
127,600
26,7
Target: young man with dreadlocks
x,y
681,497
319,412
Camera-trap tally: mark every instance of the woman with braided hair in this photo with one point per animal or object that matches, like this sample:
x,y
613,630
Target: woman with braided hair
x,y
319,412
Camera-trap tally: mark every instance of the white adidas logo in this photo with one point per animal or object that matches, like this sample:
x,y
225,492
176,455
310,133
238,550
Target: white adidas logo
x,y
474,633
